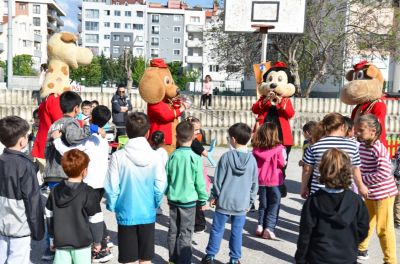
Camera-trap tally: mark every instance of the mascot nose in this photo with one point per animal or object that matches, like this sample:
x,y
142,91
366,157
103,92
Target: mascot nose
x,y
273,85
178,90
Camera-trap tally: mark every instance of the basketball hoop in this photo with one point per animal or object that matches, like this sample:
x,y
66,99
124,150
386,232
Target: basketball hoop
x,y
263,29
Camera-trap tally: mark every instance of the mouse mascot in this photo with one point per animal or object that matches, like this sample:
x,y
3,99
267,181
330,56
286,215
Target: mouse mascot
x,y
158,89
275,106
365,90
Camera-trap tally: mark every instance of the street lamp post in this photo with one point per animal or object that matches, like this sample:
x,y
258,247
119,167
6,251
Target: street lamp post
x,y
9,48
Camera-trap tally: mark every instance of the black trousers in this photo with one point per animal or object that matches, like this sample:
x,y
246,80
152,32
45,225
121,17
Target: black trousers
x,y
200,219
288,149
99,194
120,132
204,98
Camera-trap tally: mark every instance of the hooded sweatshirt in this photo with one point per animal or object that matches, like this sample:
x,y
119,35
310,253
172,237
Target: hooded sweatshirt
x,y
235,182
135,183
269,163
332,225
73,215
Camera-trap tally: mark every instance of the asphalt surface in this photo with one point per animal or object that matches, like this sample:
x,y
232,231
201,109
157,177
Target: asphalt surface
x,y
254,249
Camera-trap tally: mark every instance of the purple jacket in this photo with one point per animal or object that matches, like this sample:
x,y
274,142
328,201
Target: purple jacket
x,y
269,162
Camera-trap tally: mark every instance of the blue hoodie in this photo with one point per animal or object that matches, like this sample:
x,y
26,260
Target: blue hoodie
x,y
235,182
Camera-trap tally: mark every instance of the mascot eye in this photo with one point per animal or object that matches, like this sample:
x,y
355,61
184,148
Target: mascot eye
x,y
360,74
271,78
166,80
280,78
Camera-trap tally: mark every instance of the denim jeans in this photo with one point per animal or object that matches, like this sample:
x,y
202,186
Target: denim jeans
x,y
217,232
268,211
51,186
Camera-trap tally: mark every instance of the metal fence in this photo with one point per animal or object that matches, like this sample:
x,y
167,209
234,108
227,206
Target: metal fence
x,y
227,87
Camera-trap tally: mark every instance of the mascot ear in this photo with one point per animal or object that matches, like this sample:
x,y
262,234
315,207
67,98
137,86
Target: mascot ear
x,y
372,71
151,87
68,37
349,75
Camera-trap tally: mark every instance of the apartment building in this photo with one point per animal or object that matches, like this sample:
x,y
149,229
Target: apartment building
x,y
34,22
109,26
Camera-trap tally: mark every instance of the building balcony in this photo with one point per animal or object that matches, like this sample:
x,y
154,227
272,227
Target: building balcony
x,y
80,28
194,44
80,41
1,29
194,59
53,15
155,20
1,47
37,53
155,32
80,7
37,38
80,17
194,28
155,43
92,28
53,28
154,55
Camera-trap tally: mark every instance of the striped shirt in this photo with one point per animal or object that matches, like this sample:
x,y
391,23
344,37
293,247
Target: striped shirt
x,y
376,171
313,155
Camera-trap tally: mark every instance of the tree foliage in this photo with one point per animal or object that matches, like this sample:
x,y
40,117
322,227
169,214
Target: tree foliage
x,y
90,73
25,66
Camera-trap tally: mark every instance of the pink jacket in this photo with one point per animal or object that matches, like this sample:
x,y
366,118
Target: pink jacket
x,y
207,87
269,162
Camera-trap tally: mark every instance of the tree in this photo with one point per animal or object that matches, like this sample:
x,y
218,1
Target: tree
x,y
25,66
90,73
138,68
175,68
128,63
190,75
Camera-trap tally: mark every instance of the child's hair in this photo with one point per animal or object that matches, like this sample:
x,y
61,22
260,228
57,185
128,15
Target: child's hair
x,y
192,119
208,77
309,127
95,102
137,124
101,115
266,137
373,123
44,66
330,123
35,112
241,132
12,128
74,162
335,169
86,103
69,100
157,138
350,124
185,131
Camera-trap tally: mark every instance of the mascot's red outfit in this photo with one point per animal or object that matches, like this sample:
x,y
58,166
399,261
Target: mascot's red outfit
x,y
161,115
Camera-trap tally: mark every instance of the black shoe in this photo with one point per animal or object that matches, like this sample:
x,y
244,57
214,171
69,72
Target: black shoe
x,y
253,208
237,262
283,191
363,255
102,256
207,260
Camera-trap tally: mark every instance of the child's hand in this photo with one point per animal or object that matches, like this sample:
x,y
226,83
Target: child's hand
x,y
305,192
212,202
248,210
204,207
301,163
396,180
96,248
102,132
56,134
52,248
363,191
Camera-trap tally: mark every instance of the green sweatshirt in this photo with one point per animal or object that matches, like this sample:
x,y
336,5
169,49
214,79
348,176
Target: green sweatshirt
x,y
185,177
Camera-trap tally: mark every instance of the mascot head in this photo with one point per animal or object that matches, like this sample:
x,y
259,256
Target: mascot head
x,y
279,80
157,84
365,84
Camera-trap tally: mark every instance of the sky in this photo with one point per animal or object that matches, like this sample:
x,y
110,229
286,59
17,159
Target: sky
x,y
71,9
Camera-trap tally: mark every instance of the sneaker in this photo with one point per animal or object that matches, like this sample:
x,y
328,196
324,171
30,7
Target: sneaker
x,y
48,255
203,107
253,208
283,191
109,243
209,108
396,225
159,211
207,260
234,262
102,256
363,255
43,186
202,231
259,231
268,234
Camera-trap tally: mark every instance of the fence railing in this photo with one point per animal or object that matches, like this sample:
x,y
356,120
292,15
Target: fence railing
x,y
392,145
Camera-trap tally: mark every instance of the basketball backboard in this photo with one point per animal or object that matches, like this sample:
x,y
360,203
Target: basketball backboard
x,y
288,16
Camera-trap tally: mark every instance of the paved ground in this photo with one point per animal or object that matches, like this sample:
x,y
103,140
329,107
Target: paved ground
x,y
255,250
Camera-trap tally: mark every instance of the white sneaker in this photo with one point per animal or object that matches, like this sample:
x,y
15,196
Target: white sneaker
x,y
159,211
203,107
210,108
202,231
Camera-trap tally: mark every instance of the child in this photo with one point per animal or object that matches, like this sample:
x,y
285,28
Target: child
x,y
350,128
96,147
32,137
270,155
158,139
21,211
200,222
72,134
334,220
307,133
234,191
186,186
74,217
134,186
86,110
376,175
94,105
397,199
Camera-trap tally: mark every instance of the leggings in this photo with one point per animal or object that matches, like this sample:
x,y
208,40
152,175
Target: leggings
x,y
204,98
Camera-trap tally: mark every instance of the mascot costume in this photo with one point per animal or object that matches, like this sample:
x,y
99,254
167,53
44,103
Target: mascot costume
x,y
158,89
275,106
63,53
365,90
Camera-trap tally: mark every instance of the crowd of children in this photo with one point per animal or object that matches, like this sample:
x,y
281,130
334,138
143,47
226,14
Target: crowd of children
x,y
346,181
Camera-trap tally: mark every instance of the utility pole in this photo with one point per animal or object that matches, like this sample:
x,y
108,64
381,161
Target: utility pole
x,y
9,48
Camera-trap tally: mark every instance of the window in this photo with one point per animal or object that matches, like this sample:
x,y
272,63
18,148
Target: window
x,y
214,68
36,9
177,40
106,49
140,39
92,38
116,49
93,26
23,27
208,20
177,29
128,13
155,30
106,36
232,68
38,46
195,19
116,38
95,50
36,21
394,3
37,32
127,38
117,25
117,3
139,13
139,51
92,13
177,52
137,26
117,13
155,41
155,18
177,17
6,4
126,3
106,12
128,26
154,53
22,6
106,24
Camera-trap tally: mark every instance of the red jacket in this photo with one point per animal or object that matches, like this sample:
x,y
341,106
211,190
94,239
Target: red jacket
x,y
161,115
285,112
378,109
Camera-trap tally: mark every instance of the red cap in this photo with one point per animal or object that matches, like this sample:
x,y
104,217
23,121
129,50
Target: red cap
x,y
279,64
158,63
358,66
